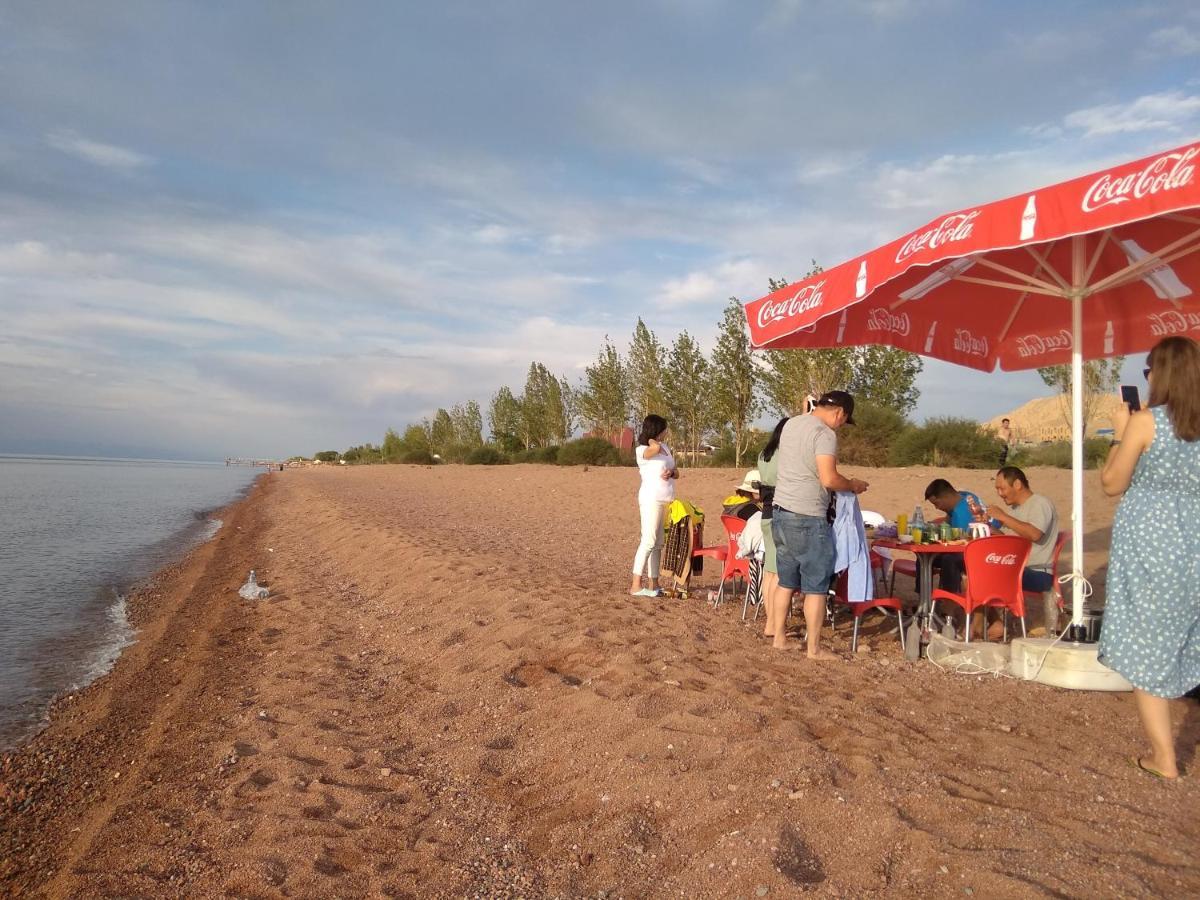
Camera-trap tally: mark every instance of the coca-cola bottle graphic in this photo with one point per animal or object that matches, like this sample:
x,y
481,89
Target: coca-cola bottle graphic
x,y
1108,338
929,338
1029,218
860,283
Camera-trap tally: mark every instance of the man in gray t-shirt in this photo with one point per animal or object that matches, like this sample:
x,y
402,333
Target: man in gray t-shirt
x,y
1034,518
803,537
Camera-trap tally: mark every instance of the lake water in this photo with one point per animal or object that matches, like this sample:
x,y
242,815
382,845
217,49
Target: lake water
x,y
75,536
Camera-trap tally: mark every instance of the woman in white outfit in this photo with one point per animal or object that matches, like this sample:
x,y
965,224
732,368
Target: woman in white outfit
x,y
657,468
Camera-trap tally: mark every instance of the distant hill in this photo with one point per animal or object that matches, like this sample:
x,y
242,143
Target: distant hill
x,y
1042,419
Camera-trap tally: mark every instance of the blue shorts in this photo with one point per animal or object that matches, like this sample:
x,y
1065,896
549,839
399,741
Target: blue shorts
x,y
804,552
1036,581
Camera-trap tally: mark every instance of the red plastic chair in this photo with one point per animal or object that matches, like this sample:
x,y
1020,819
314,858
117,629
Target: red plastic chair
x,y
1063,537
859,607
993,568
717,553
734,567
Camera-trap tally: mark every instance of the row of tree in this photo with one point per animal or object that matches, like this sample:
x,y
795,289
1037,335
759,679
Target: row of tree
x,y
717,396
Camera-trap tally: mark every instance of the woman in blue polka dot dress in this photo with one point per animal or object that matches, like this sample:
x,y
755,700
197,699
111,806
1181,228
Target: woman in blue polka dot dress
x,y
1151,629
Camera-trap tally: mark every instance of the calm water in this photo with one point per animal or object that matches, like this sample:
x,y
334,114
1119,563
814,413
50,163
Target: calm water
x,y
75,535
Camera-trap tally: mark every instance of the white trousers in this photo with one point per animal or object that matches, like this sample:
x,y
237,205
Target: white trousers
x,y
648,559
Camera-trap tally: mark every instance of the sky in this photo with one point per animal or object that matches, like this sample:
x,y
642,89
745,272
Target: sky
x,y
271,228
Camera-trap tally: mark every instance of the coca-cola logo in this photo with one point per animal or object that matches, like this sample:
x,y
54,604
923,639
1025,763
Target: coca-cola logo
x,y
1173,322
808,297
996,559
880,319
1041,344
952,228
965,342
1167,173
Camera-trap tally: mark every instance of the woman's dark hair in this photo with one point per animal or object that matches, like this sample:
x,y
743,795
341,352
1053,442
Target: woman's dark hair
x,y
652,427
1175,383
773,444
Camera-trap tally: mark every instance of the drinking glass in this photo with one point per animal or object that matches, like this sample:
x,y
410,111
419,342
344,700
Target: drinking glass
x,y
902,524
916,535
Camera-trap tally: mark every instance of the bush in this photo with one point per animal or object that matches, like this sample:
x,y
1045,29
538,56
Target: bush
x,y
418,458
486,456
589,451
1058,454
548,455
870,440
946,442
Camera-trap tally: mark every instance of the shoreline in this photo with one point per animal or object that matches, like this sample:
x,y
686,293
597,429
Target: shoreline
x,y
112,597
433,705
72,763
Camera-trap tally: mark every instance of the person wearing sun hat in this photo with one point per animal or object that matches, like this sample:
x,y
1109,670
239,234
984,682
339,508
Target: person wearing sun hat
x,y
744,501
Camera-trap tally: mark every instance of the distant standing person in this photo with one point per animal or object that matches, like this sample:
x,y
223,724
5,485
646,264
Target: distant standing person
x,y
1151,631
804,550
657,468
1005,434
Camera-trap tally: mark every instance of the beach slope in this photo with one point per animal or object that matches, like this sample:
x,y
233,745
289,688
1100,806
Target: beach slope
x,y
449,693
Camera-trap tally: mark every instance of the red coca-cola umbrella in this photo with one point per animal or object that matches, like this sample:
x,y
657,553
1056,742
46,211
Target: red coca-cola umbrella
x,y
1098,266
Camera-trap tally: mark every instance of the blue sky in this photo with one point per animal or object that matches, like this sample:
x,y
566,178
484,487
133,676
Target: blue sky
x,y
276,227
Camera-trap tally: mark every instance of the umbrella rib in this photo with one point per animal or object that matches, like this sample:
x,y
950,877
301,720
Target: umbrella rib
x,y
1043,263
1016,310
1048,291
1105,237
1180,217
1029,279
1153,261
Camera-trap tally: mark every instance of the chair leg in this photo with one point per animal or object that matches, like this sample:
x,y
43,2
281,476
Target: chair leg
x,y
854,639
1023,634
900,622
720,593
968,629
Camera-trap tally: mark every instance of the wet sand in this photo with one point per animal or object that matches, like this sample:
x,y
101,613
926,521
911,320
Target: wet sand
x,y
449,693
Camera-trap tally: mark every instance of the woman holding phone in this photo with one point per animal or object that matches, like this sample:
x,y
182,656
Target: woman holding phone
x,y
1151,631
657,468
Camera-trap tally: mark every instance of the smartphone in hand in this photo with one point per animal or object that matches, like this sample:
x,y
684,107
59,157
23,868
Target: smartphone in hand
x,y
1129,396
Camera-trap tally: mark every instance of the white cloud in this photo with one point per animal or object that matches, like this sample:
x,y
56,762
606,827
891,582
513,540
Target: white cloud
x,y
1167,111
713,287
109,156
1178,40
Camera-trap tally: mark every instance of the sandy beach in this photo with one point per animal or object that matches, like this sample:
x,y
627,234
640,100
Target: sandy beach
x,y
449,693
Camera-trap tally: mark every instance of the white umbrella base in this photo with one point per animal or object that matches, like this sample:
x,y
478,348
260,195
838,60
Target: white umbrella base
x,y
1065,665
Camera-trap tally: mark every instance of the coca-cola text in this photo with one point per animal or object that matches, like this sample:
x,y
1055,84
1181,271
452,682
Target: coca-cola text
x,y
880,319
1041,344
965,342
1167,173
1173,322
952,228
808,297
995,559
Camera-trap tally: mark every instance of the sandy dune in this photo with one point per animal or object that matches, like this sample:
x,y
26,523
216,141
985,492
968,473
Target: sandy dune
x,y
450,694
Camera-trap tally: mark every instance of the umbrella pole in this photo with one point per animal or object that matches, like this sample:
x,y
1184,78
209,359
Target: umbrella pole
x,y
1077,437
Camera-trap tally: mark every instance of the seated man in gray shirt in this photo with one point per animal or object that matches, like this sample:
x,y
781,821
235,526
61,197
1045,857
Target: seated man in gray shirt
x,y
803,537
1034,518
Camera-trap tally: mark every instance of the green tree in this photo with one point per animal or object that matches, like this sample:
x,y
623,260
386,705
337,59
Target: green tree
x,y
416,437
468,424
326,456
541,407
441,431
733,399
603,399
1100,377
887,377
392,448
644,373
687,381
882,375
562,412
504,420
